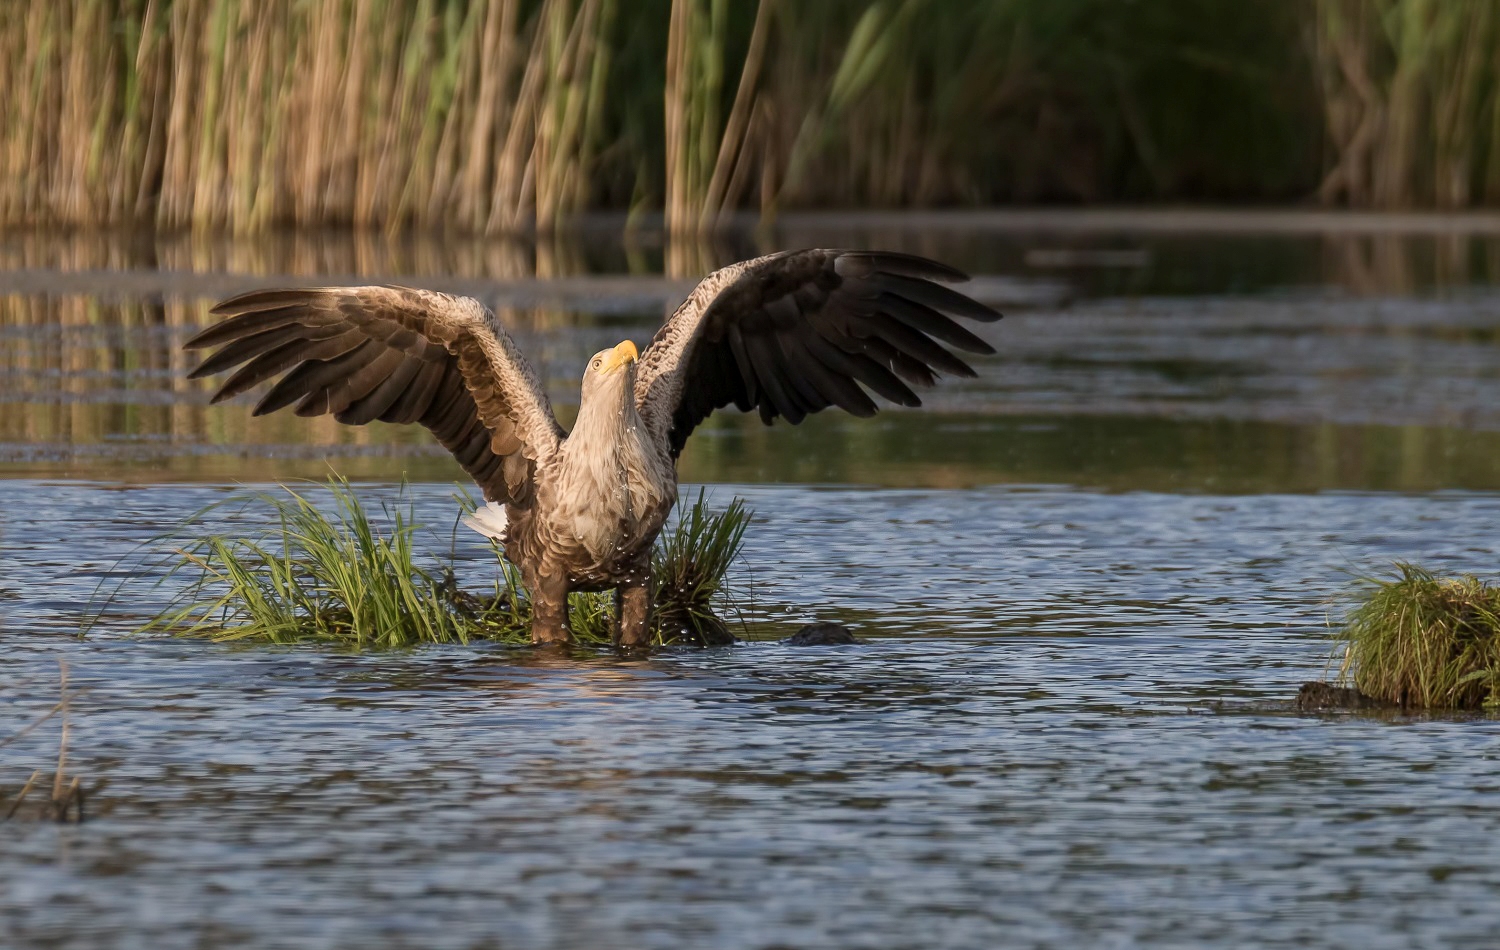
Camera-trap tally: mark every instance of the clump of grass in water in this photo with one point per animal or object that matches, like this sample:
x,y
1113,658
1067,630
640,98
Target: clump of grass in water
x,y
342,577
689,565
1422,641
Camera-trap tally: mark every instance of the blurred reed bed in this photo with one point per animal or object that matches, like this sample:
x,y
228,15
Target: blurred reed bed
x,y
498,116
237,114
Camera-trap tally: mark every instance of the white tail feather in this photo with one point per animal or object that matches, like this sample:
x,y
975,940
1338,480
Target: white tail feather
x,y
489,521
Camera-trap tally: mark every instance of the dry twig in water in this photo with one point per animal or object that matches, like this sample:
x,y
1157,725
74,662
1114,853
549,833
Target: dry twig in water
x,y
66,802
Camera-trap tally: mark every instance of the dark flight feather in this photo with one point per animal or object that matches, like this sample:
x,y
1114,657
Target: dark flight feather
x,y
364,354
794,333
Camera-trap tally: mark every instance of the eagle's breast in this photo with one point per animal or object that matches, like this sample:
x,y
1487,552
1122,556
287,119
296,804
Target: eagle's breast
x,y
612,502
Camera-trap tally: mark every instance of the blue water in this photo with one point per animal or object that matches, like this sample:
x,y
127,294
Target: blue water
x,y
1069,727
1089,584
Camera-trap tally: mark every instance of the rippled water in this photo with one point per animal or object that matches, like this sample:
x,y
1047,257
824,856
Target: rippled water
x,y
1090,582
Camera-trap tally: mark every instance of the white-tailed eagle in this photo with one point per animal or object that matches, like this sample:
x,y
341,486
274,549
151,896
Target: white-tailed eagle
x,y
785,335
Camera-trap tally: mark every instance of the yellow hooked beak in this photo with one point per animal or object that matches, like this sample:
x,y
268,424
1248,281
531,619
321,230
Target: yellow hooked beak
x,y
619,356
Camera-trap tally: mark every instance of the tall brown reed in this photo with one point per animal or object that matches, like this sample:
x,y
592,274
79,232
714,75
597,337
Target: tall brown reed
x,y
706,158
239,115
1411,90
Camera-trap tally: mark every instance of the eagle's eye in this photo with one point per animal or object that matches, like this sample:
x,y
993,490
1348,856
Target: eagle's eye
x,y
597,363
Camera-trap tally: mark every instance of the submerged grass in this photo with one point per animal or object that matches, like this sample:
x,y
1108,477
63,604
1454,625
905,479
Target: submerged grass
x,y
331,572
1421,641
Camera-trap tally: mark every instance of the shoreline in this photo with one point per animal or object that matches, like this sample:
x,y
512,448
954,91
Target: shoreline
x,y
1105,219
603,294
648,228
1149,220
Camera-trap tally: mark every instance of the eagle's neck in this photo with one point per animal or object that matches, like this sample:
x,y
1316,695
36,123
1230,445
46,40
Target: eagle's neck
x,y
610,476
607,424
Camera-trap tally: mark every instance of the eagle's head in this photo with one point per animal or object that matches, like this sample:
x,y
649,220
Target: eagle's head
x,y
615,365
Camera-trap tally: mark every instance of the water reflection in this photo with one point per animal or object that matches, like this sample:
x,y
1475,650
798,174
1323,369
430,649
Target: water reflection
x,y
77,372
607,249
1292,392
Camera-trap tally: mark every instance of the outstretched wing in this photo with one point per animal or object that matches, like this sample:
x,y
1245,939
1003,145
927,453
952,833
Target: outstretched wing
x,y
799,331
397,355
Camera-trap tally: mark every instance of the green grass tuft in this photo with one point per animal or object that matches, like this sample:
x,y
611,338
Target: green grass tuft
x,y
333,573
691,560
1424,642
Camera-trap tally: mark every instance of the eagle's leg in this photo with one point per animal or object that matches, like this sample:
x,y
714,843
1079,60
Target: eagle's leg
x,y
633,603
549,608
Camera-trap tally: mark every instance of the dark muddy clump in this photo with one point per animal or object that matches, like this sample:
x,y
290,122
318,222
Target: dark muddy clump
x,y
821,635
1319,697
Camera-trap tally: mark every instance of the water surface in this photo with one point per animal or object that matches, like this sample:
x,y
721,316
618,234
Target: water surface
x,y
1090,581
